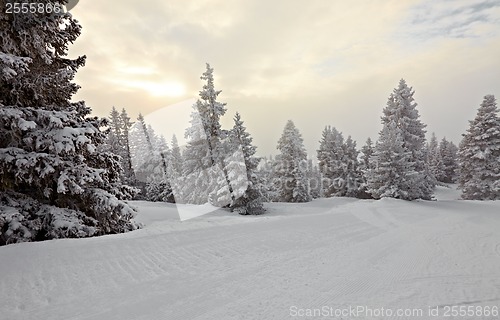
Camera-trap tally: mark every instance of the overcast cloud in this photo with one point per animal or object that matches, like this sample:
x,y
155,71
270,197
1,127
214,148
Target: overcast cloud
x,y
320,62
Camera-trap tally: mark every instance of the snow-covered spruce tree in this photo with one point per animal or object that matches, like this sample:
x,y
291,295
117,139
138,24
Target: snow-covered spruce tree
x,y
366,153
365,165
314,178
291,173
247,187
402,113
126,125
175,160
117,142
54,183
149,150
204,175
339,164
479,154
434,160
158,185
113,142
393,171
330,155
266,173
154,169
448,153
149,158
351,176
139,145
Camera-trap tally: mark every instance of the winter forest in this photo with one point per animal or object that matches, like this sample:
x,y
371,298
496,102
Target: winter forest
x,y
67,174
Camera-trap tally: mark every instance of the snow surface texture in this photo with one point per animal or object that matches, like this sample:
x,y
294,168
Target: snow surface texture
x,y
329,252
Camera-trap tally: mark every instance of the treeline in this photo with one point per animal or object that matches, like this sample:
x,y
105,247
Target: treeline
x,y
67,174
401,164
217,166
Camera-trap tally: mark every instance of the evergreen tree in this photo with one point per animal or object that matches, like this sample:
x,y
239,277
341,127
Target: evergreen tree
x,y
206,123
126,125
480,154
401,113
148,150
351,175
291,174
434,159
138,147
175,163
448,153
339,164
266,171
204,175
365,165
55,182
113,143
314,178
393,170
149,157
246,185
156,171
366,154
118,143
147,132
331,154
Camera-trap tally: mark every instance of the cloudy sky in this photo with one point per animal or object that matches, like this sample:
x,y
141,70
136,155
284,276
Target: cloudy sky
x,y
317,62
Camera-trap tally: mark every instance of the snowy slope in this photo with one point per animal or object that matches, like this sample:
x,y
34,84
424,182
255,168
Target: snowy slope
x,y
330,252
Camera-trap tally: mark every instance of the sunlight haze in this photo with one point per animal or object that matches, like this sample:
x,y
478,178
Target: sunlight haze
x,y
315,62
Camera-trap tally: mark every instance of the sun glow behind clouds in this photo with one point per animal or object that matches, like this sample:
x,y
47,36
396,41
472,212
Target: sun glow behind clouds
x,y
167,88
147,78
156,89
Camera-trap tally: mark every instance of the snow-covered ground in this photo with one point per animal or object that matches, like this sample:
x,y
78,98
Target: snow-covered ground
x,y
328,253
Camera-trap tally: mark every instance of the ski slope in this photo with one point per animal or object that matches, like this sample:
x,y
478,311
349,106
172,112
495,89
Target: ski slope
x,y
330,252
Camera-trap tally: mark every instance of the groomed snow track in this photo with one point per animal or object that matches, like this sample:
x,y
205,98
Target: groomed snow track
x,y
330,252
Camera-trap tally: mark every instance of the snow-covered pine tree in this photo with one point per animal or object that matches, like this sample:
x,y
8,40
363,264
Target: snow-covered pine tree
x,y
291,173
330,161
479,154
140,145
247,187
175,163
339,164
126,125
210,111
401,111
267,175
364,167
448,152
314,178
54,182
117,142
366,153
324,155
205,151
351,176
148,162
113,141
434,160
392,172
149,158
158,187
147,133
